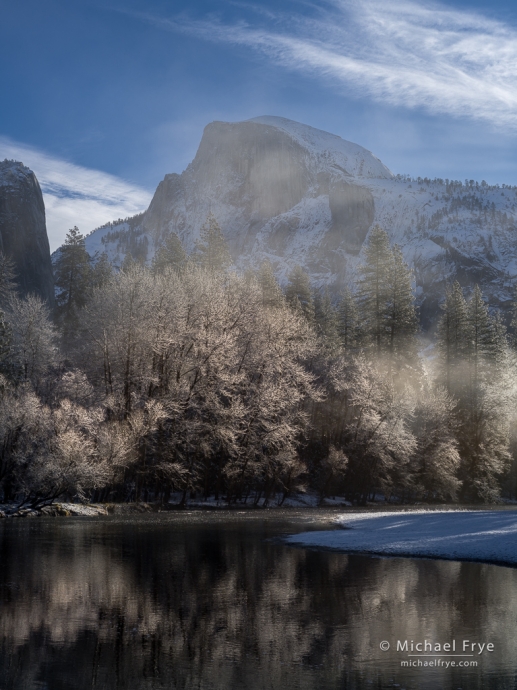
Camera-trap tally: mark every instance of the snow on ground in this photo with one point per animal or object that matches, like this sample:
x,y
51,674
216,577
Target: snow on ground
x,y
481,535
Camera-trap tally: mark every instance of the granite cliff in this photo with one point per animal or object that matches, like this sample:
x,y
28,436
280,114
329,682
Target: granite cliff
x,y
292,194
23,232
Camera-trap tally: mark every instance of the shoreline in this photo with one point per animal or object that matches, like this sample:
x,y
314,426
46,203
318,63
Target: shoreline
x,y
70,509
485,536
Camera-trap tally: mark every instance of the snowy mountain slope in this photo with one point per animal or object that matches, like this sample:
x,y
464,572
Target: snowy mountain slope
x,y
296,195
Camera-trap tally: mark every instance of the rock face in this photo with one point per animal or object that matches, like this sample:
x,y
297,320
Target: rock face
x,y
23,232
292,194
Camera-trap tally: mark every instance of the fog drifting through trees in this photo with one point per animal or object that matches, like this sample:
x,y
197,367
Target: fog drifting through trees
x,y
190,379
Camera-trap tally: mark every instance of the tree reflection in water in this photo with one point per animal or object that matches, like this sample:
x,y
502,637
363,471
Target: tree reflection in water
x,y
208,601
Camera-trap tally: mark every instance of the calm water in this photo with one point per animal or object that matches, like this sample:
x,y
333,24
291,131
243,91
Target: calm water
x,y
212,601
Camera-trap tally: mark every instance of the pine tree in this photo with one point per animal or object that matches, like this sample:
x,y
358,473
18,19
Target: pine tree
x,y
386,302
402,321
473,352
271,291
298,293
170,255
348,320
374,289
453,339
326,320
72,273
101,272
211,251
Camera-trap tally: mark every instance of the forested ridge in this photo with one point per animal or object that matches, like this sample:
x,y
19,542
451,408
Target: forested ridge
x,y
188,379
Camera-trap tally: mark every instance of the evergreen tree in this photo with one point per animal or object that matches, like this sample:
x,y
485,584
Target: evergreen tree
x,y
326,319
211,251
453,339
298,293
72,273
374,290
473,362
402,322
170,255
348,320
271,291
101,272
386,302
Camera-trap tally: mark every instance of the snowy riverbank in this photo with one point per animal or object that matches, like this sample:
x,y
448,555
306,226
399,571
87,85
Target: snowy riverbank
x,y
479,535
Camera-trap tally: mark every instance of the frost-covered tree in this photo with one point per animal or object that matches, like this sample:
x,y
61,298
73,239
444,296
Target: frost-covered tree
x,y
436,459
34,341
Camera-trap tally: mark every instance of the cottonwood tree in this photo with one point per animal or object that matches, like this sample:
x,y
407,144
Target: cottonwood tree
x,y
366,417
436,459
34,338
229,373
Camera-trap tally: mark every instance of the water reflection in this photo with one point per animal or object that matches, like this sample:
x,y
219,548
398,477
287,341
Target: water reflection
x,y
208,601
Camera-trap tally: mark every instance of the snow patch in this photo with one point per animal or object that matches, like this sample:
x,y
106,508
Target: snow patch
x,y
479,535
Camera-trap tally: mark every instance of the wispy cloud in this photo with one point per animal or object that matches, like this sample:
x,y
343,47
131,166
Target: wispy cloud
x,y
414,55
75,195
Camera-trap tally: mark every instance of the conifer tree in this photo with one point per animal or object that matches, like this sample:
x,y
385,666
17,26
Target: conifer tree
x,y
386,302
473,352
453,338
271,291
298,293
348,320
170,255
402,322
211,251
72,273
374,289
101,272
326,320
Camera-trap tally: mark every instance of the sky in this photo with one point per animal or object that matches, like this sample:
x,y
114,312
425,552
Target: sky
x,y
102,99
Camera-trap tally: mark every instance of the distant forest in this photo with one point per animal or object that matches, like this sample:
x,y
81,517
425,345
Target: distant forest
x,y
188,379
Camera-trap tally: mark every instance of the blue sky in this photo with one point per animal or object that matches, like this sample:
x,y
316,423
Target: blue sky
x,y
102,99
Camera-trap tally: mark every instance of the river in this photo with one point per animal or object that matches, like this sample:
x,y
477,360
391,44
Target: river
x,y
214,600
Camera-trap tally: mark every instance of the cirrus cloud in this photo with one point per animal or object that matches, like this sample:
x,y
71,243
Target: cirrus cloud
x,y
75,195
414,55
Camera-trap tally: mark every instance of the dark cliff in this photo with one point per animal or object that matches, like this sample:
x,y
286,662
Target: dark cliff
x,y
23,232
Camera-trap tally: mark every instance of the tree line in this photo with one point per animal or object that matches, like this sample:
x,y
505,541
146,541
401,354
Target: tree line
x,y
188,378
